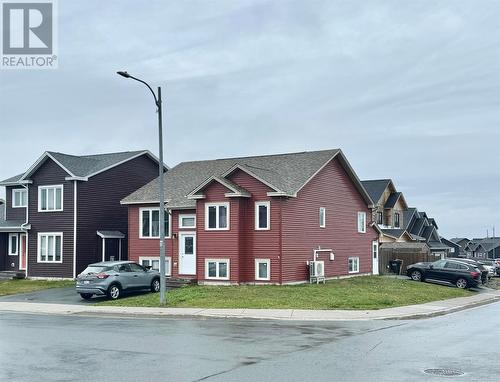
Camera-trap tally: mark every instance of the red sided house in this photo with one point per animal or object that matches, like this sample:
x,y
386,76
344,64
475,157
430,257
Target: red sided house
x,y
65,212
257,219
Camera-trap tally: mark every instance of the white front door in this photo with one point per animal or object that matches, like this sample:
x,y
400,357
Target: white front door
x,y
375,257
187,253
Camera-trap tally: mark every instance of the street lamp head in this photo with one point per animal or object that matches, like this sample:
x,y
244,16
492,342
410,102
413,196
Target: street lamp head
x,y
123,74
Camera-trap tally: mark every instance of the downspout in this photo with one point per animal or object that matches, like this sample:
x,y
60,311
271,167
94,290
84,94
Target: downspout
x,y
75,198
23,226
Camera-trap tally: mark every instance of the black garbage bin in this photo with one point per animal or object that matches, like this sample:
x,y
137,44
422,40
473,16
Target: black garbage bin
x,y
395,266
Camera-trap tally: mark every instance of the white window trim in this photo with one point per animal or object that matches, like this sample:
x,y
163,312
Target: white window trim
x,y
217,269
182,216
167,234
322,224
55,186
168,269
10,244
207,205
266,203
39,252
357,264
363,229
16,191
257,262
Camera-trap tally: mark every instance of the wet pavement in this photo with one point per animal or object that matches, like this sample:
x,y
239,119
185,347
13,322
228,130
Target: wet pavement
x,y
76,348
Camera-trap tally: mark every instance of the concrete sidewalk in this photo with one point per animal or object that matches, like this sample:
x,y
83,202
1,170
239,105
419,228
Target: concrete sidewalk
x,y
405,312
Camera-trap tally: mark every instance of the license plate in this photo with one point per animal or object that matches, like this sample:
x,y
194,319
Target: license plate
x,y
86,282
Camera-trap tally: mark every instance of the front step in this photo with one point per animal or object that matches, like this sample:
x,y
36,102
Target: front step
x,y
9,275
177,283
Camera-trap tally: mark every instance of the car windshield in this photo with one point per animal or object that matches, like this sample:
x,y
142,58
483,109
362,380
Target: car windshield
x,y
93,270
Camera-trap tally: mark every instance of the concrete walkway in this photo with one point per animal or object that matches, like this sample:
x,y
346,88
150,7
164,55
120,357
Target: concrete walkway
x,y
406,312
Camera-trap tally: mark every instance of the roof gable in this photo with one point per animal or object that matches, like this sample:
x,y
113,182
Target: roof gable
x,y
80,167
376,187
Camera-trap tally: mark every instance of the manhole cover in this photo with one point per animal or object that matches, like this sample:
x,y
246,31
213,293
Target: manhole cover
x,y
444,372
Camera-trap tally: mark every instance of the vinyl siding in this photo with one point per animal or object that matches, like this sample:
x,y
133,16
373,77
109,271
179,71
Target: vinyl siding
x,y
99,206
13,213
49,173
333,189
257,244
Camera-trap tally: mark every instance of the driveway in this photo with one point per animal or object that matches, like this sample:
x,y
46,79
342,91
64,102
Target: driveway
x,y
65,295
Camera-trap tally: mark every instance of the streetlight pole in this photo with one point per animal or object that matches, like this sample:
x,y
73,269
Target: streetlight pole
x,y
161,188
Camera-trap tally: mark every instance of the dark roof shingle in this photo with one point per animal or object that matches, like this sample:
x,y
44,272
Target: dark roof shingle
x,y
285,173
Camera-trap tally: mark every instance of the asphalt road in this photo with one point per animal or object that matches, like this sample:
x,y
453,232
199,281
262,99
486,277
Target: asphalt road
x,y
78,348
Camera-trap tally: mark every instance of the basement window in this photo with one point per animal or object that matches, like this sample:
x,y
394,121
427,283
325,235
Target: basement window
x,y
262,269
353,264
217,269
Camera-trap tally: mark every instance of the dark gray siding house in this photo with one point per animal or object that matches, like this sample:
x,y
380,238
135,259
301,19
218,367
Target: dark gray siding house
x,y
64,212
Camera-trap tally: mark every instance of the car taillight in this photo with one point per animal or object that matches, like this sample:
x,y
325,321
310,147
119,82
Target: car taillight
x,y
102,276
474,274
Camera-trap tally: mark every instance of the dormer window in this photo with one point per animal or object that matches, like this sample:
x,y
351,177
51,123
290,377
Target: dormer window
x,y
396,220
380,218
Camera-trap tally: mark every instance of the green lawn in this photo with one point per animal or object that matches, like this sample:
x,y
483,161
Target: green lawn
x,y
24,286
370,292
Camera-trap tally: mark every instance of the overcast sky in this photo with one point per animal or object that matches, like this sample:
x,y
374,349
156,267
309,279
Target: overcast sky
x,y
408,90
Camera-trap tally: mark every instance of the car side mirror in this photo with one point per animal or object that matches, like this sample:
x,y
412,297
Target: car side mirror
x,y
147,268
431,266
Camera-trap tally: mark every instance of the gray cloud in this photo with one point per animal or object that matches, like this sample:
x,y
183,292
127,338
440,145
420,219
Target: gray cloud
x,y
409,91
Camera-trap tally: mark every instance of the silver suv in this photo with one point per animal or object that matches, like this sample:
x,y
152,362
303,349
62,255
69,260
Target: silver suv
x,y
111,278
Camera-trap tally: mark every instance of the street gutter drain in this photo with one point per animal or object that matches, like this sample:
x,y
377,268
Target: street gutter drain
x,y
444,372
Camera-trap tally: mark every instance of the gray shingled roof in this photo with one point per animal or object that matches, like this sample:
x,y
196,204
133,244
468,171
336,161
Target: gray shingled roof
x,y
88,164
13,179
84,165
393,232
407,217
375,188
392,199
285,173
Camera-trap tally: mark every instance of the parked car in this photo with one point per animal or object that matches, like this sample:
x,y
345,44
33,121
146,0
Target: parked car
x,y
490,265
456,272
484,271
111,278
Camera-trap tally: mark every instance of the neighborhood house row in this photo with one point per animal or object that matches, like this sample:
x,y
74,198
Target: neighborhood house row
x,y
258,219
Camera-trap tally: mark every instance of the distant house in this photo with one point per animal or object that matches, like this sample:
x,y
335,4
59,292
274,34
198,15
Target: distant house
x,y
64,212
463,242
389,211
257,220
425,229
483,248
404,232
454,249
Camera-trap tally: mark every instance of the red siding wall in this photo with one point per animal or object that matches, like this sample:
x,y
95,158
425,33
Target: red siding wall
x,y
256,244
218,244
293,236
138,247
332,189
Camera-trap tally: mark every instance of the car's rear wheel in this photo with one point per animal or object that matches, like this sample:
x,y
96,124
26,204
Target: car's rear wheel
x,y
155,285
461,283
86,296
416,276
114,291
